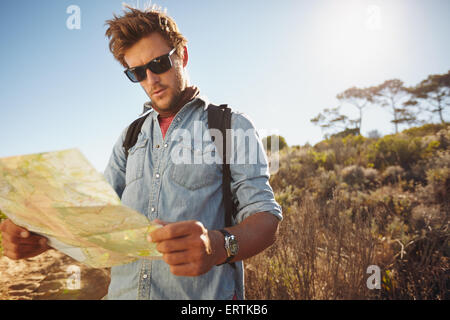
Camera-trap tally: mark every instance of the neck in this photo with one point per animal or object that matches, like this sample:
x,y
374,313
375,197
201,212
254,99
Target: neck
x,y
188,94
168,113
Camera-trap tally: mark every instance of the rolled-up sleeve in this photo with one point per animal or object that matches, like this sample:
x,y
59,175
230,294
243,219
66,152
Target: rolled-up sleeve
x,y
116,168
250,172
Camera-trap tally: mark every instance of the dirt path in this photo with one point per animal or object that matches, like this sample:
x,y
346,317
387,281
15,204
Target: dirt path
x,y
45,277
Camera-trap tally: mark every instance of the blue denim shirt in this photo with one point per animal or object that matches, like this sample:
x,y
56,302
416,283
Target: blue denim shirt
x,y
155,183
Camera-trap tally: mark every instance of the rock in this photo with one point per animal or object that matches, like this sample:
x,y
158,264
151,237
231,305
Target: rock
x,y
47,277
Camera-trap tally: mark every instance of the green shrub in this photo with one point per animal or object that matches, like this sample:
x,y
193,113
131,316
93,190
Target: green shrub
x,y
324,184
353,175
438,159
347,151
396,150
371,177
393,174
267,142
326,159
439,183
294,173
354,141
425,130
289,196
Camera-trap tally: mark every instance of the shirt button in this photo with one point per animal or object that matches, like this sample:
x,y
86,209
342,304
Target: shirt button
x,y
166,145
153,209
157,175
157,146
144,276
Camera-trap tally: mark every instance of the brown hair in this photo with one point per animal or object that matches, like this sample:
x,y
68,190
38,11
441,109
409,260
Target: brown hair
x,y
135,24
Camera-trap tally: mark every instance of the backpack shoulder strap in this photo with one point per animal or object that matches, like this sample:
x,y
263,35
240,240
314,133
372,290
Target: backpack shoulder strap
x,y
132,133
219,117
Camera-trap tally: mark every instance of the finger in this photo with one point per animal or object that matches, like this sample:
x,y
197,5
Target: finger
x,y
3,225
23,248
13,229
183,257
24,255
176,230
24,252
12,246
181,270
17,246
32,239
160,222
188,270
179,244
163,223
176,258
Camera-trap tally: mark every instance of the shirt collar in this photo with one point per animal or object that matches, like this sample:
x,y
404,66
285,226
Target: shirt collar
x,y
200,99
147,107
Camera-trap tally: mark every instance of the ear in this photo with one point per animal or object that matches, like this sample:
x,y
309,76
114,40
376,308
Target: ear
x,y
185,57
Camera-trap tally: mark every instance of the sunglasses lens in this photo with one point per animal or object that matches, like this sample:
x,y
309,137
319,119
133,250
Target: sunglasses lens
x,y
160,65
131,75
136,75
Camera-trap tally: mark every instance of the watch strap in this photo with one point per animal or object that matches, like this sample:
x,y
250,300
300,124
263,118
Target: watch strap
x,y
226,234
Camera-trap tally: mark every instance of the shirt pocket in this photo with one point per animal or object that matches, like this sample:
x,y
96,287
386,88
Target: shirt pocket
x,y
197,174
135,161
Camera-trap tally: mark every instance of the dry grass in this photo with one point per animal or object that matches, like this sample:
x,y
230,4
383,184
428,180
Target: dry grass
x,y
323,252
320,254
341,215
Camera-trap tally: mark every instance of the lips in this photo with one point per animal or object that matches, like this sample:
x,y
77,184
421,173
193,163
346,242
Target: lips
x,y
158,92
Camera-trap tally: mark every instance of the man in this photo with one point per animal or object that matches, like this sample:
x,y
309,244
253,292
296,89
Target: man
x,y
198,251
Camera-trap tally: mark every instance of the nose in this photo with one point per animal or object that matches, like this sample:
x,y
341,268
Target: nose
x,y
152,78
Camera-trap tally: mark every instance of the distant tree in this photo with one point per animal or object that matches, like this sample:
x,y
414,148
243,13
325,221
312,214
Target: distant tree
x,y
435,92
346,132
267,142
374,134
359,98
333,120
392,94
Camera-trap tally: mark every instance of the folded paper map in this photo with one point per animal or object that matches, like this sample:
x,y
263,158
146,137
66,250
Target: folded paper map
x,y
59,195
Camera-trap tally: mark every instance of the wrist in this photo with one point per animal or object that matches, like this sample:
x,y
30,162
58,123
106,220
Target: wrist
x,y
218,246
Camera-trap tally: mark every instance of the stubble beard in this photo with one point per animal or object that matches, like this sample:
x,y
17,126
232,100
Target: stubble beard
x,y
180,85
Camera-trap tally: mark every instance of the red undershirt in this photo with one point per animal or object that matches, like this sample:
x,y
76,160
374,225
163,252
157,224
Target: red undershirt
x,y
189,94
164,123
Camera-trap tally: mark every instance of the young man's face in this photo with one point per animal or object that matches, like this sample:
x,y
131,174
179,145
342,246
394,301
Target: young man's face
x,y
163,89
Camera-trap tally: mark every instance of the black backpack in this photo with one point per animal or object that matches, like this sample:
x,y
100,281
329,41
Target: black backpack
x,y
219,117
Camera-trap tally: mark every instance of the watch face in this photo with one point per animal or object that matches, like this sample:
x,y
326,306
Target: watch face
x,y
234,247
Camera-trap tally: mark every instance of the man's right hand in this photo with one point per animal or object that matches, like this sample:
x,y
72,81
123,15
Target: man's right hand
x,y
19,243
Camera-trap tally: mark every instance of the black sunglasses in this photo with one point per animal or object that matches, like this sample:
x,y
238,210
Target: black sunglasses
x,y
157,66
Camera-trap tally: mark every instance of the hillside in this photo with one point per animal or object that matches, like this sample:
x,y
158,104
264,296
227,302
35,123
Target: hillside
x,y
351,202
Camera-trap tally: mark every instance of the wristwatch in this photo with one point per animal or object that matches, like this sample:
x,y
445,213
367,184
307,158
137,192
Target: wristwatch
x,y
231,245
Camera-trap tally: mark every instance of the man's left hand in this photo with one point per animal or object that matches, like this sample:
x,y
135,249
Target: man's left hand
x,y
187,247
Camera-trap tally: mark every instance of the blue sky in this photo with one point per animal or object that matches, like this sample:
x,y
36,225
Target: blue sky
x,y
279,62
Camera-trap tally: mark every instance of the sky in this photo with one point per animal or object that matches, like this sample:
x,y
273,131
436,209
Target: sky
x,y
281,63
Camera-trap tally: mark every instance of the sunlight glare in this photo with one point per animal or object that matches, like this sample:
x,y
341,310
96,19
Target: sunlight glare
x,y
351,38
